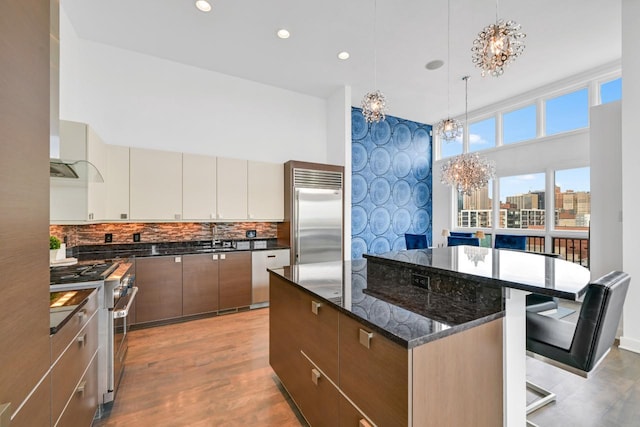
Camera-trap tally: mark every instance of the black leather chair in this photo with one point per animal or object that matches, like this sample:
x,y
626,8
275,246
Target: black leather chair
x,y
578,348
457,241
416,241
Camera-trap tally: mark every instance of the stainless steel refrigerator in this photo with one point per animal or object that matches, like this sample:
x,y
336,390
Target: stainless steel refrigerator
x,y
317,225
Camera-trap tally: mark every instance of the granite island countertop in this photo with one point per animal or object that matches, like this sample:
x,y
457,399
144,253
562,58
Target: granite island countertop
x,y
409,316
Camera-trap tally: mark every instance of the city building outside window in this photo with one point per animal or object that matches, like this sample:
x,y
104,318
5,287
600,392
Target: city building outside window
x,y
573,199
474,210
522,202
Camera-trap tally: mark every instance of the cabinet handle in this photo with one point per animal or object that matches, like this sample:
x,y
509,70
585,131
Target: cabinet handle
x,y
365,338
177,216
223,256
82,340
5,414
315,376
214,257
81,388
364,423
271,256
123,216
81,314
90,216
315,306
178,259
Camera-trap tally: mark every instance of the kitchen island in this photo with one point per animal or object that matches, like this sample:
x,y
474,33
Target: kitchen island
x,y
419,337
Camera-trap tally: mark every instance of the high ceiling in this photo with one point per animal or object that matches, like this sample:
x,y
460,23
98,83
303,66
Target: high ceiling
x,y
564,38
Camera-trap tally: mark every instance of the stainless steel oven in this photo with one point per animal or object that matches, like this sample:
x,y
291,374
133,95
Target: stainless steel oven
x,y
120,295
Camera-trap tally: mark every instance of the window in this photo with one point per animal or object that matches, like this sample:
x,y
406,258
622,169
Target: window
x,y
522,202
482,135
611,91
567,112
519,125
572,199
474,210
450,148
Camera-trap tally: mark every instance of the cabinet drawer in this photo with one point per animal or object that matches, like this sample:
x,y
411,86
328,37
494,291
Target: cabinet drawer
x,y
61,339
35,411
350,416
68,370
313,393
319,340
84,401
375,377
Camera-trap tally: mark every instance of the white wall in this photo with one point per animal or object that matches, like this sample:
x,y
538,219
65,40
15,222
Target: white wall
x,y
630,338
605,245
339,151
138,100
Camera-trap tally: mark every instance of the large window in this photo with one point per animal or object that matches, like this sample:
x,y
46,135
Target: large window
x,y
572,199
482,135
611,91
474,210
519,125
451,148
567,112
522,201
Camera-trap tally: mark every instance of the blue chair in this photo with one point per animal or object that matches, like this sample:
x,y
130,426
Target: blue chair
x,y
460,234
506,241
457,241
416,241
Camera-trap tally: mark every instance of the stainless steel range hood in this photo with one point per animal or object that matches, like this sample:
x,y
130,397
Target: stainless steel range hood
x,y
74,169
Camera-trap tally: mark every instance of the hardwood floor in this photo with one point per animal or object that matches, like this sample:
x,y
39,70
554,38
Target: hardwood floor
x,y
215,372
207,372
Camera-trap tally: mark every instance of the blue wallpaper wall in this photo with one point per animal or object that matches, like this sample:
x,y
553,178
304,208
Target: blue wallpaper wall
x,y
390,183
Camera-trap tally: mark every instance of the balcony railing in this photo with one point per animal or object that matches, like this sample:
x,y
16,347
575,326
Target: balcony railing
x,y
571,249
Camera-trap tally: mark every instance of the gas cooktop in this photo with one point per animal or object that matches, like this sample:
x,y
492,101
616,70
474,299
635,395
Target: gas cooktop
x,y
81,273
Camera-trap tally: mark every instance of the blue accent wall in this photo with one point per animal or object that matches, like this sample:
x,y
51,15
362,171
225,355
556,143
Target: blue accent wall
x,y
391,183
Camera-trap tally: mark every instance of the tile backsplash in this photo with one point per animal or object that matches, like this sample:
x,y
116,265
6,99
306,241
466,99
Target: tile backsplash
x,y
94,234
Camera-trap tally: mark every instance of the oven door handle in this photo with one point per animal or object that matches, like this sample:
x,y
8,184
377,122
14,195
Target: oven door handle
x,y
118,314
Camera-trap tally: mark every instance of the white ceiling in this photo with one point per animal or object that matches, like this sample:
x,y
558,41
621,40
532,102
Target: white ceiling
x,y
564,38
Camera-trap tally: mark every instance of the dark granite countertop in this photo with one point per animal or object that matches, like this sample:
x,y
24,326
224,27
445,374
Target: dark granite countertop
x,y
495,267
59,316
409,316
113,251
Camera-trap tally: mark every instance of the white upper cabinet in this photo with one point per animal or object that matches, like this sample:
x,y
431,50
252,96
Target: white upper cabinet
x,y
231,189
265,191
74,200
198,187
155,185
117,179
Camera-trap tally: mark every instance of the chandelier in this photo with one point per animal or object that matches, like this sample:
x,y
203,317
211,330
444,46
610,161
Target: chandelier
x,y
374,104
448,129
497,45
468,172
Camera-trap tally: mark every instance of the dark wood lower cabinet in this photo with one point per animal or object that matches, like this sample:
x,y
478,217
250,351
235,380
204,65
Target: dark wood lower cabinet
x,y
159,282
199,284
234,278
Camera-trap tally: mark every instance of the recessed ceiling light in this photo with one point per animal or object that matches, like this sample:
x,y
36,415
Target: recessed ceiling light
x,y
203,5
283,33
434,65
343,55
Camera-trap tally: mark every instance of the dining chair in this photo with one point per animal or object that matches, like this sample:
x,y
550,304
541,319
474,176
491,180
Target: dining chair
x,y
460,234
578,348
416,241
507,241
457,241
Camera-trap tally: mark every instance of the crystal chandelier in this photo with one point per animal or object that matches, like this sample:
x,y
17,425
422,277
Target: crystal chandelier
x,y
448,129
467,172
374,105
497,45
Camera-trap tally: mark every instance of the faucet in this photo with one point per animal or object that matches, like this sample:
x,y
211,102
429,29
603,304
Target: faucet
x,y
214,235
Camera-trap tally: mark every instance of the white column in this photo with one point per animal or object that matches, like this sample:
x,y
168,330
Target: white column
x,y
630,338
515,359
